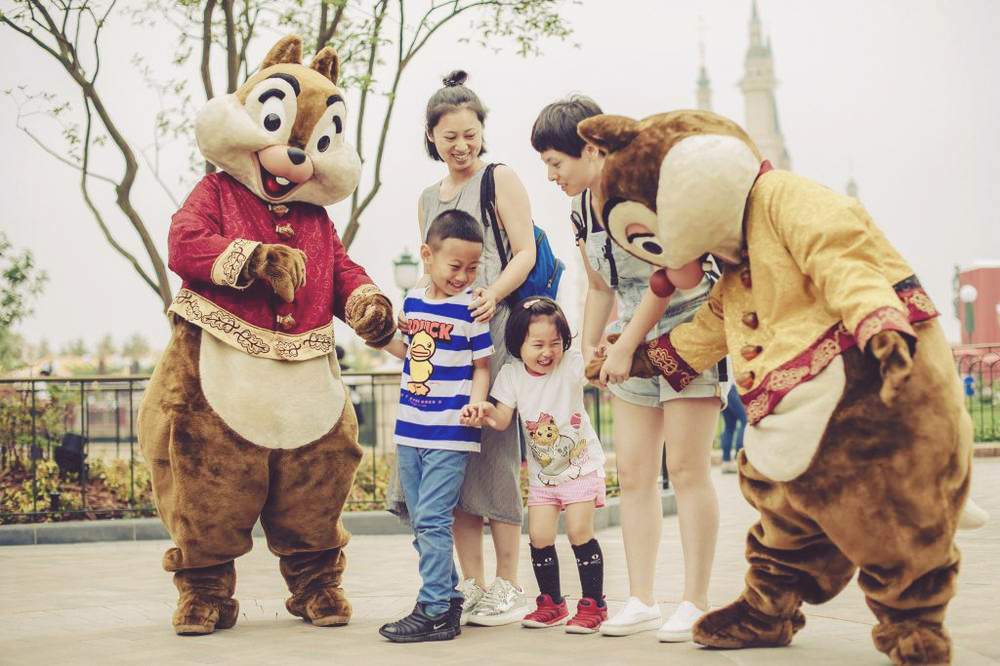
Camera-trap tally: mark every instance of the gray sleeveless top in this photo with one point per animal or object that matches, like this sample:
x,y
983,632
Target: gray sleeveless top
x,y
633,276
467,200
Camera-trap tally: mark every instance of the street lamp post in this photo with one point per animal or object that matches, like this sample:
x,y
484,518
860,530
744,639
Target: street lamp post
x,y
405,272
968,294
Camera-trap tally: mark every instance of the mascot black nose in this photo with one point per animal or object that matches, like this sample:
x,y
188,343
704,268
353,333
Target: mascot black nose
x,y
296,155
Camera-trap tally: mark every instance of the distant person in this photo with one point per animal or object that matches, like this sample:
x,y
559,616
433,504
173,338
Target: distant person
x,y
734,423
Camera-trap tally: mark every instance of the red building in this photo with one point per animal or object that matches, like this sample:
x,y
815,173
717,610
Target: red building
x,y
978,309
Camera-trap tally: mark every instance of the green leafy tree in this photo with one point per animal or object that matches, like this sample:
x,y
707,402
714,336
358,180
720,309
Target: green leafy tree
x,y
20,283
135,349
103,352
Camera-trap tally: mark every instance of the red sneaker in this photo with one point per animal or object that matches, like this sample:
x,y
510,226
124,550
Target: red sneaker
x,y
547,614
588,618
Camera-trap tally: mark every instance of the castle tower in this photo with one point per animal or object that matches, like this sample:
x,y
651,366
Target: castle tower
x,y
758,86
852,188
704,90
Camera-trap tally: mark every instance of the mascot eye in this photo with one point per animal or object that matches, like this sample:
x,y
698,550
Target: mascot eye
x,y
646,241
335,127
632,225
272,114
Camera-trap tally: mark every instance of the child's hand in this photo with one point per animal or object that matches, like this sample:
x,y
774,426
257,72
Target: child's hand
x,y
477,413
617,363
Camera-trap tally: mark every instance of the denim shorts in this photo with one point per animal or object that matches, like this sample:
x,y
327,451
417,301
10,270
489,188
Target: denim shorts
x,y
654,391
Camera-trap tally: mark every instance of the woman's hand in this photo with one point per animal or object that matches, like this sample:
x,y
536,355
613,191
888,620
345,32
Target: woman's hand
x,y
477,413
401,322
617,363
484,305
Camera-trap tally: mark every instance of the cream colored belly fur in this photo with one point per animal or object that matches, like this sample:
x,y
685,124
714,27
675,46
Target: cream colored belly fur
x,y
783,443
274,404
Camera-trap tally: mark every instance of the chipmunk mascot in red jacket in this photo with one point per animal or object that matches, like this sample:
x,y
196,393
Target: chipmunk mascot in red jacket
x,y
246,416
859,448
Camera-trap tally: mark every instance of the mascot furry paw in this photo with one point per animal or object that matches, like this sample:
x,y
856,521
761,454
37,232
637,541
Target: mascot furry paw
x,y
246,416
859,449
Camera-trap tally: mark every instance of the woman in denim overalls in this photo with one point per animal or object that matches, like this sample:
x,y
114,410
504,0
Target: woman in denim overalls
x,y
646,412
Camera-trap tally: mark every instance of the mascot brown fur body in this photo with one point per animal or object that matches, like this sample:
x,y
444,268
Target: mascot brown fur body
x,y
858,453
246,416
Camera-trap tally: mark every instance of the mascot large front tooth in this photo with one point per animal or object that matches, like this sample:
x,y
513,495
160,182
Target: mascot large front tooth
x,y
859,447
246,416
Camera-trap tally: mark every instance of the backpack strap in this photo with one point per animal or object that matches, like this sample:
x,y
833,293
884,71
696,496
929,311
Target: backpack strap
x,y
488,209
588,211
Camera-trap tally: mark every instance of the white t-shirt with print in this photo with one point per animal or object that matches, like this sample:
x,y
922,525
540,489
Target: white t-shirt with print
x,y
562,444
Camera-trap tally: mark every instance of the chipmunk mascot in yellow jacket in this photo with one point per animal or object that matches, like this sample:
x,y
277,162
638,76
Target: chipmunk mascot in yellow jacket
x,y
858,449
246,416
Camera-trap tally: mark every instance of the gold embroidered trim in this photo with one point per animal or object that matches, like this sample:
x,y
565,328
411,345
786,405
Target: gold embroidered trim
x,y
227,266
253,340
884,318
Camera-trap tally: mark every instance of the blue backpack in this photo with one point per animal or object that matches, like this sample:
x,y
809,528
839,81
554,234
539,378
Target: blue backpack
x,y
543,280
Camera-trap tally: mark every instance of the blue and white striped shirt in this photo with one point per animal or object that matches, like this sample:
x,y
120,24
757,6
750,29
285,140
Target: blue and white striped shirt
x,y
443,341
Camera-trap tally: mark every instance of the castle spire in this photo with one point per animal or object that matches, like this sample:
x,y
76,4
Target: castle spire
x,y
704,89
760,105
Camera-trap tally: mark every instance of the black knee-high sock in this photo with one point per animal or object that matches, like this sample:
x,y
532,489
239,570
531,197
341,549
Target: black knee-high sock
x,y
545,562
590,563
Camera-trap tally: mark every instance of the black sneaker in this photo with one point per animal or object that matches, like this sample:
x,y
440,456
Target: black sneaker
x,y
418,627
455,614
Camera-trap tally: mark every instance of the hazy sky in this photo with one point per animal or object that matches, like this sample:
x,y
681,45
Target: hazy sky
x,y
901,95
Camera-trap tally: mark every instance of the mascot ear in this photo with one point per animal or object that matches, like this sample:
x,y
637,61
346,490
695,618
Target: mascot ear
x,y
327,63
609,133
288,50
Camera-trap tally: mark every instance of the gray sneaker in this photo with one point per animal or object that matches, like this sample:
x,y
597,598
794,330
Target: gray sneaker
x,y
503,603
473,595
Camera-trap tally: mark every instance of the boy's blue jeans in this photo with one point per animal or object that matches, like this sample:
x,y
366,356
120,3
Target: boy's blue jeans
x,y
432,481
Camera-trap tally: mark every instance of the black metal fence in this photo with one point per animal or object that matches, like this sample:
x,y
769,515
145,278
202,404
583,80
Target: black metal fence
x,y
979,368
68,447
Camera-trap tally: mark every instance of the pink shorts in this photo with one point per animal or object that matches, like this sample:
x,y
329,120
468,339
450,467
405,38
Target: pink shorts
x,y
588,488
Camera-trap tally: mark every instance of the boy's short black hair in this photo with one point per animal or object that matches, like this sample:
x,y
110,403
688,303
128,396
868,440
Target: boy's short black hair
x,y
454,223
520,319
555,126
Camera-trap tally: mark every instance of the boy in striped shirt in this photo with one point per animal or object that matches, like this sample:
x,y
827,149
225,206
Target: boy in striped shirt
x,y
445,366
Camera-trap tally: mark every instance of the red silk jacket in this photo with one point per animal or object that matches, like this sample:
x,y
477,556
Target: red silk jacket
x,y
211,239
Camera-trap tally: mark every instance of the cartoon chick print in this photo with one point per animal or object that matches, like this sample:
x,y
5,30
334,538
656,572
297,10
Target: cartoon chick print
x,y
556,453
422,348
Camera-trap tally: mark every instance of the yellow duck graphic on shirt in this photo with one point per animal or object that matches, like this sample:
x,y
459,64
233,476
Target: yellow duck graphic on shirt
x,y
422,348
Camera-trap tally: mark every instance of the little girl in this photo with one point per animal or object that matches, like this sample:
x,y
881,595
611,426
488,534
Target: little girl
x,y
566,462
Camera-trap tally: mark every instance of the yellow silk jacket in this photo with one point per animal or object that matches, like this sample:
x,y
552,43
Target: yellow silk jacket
x,y
818,277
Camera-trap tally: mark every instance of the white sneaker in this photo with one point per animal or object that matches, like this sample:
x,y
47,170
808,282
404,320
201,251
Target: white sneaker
x,y
503,603
729,467
973,516
473,595
635,617
678,628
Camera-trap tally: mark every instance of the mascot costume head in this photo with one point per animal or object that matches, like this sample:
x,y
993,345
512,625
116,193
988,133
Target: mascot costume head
x,y
245,417
858,448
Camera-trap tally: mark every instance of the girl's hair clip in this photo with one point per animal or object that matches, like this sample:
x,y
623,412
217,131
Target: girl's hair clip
x,y
530,304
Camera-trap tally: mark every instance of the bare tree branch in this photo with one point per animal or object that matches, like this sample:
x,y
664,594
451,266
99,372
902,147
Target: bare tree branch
x,y
206,48
123,189
97,213
232,53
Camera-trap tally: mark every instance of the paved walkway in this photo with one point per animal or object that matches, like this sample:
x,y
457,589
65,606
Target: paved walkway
x,y
111,603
